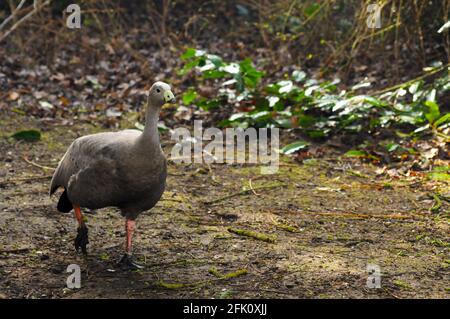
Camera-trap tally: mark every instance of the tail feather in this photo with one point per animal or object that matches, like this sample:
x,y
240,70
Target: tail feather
x,y
64,203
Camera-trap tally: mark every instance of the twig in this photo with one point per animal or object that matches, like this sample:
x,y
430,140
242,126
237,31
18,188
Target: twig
x,y
267,290
362,216
176,174
243,192
251,187
13,14
437,203
442,135
16,250
252,234
23,19
26,179
194,285
37,165
401,85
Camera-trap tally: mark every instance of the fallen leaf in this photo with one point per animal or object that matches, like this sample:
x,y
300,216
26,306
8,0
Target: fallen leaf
x,y
27,135
113,113
46,105
12,96
64,101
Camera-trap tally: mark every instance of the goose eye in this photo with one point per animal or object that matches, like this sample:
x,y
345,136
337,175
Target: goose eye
x,y
158,90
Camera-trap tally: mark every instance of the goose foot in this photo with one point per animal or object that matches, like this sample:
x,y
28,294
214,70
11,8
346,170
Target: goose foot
x,y
82,239
127,262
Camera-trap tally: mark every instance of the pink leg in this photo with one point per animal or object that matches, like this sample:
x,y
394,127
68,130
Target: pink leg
x,y
129,228
127,259
78,215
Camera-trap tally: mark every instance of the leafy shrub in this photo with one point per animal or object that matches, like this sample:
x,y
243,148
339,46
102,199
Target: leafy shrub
x,y
319,108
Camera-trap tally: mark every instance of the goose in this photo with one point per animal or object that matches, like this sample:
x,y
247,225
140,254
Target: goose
x,y
125,169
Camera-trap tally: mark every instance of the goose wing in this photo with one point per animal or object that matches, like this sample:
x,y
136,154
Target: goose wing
x,y
93,168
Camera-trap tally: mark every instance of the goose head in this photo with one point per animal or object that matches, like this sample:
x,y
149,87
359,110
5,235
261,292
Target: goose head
x,y
159,94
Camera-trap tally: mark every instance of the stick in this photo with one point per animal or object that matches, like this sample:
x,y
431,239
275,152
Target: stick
x,y
16,250
421,77
356,215
252,234
23,19
251,187
26,179
37,165
246,191
13,14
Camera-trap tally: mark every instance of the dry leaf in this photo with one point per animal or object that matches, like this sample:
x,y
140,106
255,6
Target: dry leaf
x,y
12,96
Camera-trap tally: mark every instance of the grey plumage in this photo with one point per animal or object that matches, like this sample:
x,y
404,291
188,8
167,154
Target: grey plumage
x,y
125,169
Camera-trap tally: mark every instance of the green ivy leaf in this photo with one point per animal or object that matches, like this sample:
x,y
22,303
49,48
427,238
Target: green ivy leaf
x,y
316,133
391,147
373,101
311,9
189,96
232,68
162,127
294,147
285,86
433,113
306,120
442,120
189,53
188,66
250,75
215,59
206,104
259,115
298,75
237,116
27,135
414,87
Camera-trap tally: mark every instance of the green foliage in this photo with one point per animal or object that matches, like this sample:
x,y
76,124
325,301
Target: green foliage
x,y
243,75
27,135
294,147
356,153
189,96
316,107
312,9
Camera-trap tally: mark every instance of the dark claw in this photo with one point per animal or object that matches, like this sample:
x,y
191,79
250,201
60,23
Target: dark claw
x,y
82,239
128,263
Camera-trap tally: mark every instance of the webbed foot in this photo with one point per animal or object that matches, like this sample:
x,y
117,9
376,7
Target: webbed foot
x,y
82,239
127,262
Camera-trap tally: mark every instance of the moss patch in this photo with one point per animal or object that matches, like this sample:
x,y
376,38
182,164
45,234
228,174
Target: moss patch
x,y
252,234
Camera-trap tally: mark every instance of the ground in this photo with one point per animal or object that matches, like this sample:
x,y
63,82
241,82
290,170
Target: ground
x,y
224,231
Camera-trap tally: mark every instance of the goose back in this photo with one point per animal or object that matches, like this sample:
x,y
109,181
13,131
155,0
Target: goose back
x,y
112,169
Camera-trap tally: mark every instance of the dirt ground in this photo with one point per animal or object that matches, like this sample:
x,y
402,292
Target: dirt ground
x,y
318,225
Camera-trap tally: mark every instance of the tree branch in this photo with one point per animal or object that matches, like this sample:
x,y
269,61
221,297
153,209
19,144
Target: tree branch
x,y
37,8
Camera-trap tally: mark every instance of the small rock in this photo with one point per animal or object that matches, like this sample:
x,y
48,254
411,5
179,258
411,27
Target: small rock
x,y
45,257
58,269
